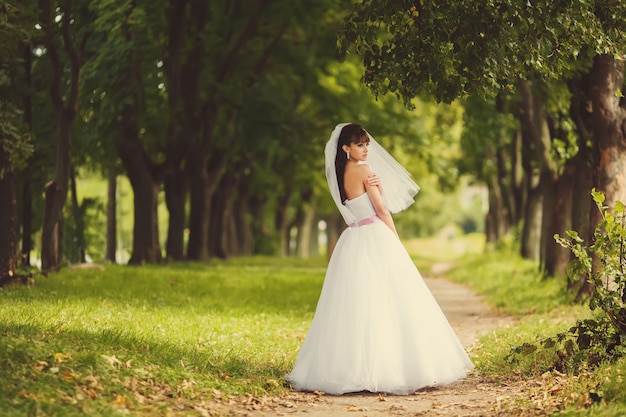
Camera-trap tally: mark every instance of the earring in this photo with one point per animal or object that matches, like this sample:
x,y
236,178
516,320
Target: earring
x,y
347,155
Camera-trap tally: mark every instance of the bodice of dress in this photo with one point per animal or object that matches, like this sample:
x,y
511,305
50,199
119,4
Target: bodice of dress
x,y
361,207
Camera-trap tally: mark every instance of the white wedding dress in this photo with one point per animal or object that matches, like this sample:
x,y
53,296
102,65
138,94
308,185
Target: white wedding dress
x,y
377,326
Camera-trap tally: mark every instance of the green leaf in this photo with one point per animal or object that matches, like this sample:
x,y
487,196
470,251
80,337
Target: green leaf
x,y
598,197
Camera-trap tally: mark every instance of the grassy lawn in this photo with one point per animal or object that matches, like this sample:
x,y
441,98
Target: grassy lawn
x,y
166,339
92,341
514,286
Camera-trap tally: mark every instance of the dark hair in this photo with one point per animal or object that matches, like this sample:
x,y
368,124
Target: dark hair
x,y
352,133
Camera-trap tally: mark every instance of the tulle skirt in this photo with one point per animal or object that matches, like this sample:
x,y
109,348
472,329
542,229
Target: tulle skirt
x,y
377,326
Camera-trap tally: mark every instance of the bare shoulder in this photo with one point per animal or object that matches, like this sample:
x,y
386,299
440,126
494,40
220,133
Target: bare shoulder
x,y
363,170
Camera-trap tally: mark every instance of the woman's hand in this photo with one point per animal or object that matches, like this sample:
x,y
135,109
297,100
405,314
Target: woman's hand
x,y
373,180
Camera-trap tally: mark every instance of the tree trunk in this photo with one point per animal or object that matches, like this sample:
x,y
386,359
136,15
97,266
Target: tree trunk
x,y
308,236
183,71
582,204
79,221
175,198
8,220
583,161
55,197
222,231
300,223
609,142
314,245
505,181
146,246
558,257
531,233
334,226
496,223
306,229
233,247
547,186
518,179
215,224
203,183
201,193
243,228
281,221
533,114
531,212
261,238
111,239
27,217
220,218
25,177
64,107
609,136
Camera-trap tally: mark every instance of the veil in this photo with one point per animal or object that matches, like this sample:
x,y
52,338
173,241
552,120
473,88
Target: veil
x,y
398,187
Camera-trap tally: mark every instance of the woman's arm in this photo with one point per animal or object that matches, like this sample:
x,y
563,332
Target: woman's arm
x,y
375,196
374,180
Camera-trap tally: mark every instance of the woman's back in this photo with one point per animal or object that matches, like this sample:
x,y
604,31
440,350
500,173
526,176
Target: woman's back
x,y
353,180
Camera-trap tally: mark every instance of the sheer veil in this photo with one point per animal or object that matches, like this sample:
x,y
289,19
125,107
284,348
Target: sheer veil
x,y
398,187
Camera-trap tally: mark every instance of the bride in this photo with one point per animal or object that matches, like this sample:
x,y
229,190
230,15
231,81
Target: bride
x,y
377,327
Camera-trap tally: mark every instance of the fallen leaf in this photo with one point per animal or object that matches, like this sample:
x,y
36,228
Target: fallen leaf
x,y
120,401
272,383
40,365
62,357
69,376
355,408
93,382
27,394
112,360
141,399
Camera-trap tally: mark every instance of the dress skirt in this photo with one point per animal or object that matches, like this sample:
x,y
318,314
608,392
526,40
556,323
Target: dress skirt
x,y
377,326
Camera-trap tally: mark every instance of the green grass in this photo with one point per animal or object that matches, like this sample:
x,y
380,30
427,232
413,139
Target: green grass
x,y
509,283
92,341
543,308
442,249
158,340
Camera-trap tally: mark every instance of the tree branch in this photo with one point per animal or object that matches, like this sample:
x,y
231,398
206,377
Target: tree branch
x,y
244,36
74,56
52,52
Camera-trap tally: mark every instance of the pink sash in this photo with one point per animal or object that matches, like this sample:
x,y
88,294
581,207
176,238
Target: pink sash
x,y
363,222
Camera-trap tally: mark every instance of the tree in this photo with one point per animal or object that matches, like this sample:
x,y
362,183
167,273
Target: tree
x,y
128,102
64,105
456,48
15,145
493,154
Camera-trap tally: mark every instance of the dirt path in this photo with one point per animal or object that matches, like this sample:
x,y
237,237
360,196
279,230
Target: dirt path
x,y
473,396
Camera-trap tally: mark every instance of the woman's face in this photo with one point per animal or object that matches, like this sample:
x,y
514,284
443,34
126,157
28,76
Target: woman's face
x,y
358,151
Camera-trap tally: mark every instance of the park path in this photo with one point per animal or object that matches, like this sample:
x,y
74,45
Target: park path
x,y
470,317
